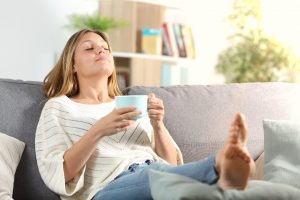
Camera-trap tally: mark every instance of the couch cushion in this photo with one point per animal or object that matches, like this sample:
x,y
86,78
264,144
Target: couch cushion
x,y
11,150
198,117
165,185
20,105
282,147
259,167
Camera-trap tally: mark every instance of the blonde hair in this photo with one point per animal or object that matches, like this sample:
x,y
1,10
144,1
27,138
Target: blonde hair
x,y
62,81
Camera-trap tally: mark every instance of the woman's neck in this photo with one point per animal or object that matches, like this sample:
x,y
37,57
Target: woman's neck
x,y
93,92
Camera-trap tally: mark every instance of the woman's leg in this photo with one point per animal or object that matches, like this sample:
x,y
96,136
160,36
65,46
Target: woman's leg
x,y
134,184
233,162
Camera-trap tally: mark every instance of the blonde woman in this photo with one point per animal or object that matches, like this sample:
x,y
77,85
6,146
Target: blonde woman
x,y
88,149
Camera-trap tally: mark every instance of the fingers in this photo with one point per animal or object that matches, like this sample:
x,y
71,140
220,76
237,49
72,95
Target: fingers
x,y
124,110
155,108
128,115
151,95
153,112
155,103
156,117
123,125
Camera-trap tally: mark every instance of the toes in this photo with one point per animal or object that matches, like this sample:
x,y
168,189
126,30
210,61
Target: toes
x,y
232,151
244,156
238,129
236,151
234,135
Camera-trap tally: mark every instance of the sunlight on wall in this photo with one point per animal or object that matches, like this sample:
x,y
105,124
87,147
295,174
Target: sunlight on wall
x,y
40,37
281,19
210,28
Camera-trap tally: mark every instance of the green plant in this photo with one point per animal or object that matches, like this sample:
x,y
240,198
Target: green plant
x,y
94,21
254,56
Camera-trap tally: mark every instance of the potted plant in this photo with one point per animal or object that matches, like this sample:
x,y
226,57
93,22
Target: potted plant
x,y
94,21
254,56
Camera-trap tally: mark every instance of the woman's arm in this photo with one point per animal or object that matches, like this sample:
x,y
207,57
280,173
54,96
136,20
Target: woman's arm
x,y
164,145
77,156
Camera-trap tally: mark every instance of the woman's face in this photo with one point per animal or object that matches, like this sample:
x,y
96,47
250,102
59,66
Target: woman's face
x,y
92,57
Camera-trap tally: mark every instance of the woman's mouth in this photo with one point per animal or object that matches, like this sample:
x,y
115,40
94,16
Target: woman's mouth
x,y
101,57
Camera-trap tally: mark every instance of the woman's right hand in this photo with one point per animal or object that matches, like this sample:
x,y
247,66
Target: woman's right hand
x,y
116,121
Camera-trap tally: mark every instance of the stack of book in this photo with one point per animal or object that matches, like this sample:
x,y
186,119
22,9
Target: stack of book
x,y
151,41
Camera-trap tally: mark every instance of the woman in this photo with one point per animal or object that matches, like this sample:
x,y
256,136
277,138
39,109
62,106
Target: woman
x,y
88,149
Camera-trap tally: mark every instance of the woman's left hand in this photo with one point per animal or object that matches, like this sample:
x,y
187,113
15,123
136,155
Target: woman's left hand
x,y
155,110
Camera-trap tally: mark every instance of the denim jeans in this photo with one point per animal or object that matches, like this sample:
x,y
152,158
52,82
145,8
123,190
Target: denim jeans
x,y
134,182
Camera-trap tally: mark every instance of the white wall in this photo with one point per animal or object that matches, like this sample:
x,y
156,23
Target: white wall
x,y
32,36
210,30
281,19
32,33
208,20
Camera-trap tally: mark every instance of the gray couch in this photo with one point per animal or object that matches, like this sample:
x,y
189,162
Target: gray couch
x,y
198,118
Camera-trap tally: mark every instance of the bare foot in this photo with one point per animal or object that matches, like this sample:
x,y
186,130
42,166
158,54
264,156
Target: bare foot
x,y
233,162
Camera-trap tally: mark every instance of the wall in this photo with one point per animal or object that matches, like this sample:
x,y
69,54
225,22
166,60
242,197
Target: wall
x,y
32,33
210,30
280,19
32,36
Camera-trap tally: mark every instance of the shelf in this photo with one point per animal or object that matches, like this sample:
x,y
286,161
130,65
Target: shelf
x,y
140,68
168,59
175,4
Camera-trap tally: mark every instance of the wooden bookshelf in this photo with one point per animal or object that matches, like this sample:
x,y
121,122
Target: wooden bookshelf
x,y
143,69
162,58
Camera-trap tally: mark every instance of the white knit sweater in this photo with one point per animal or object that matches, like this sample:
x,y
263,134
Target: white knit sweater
x,y
63,122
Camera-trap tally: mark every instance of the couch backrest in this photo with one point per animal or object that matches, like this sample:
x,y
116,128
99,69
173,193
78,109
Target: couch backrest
x,y
20,106
198,117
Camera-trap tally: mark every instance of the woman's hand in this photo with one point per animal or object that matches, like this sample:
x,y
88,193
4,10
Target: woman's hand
x,y
164,146
116,121
156,110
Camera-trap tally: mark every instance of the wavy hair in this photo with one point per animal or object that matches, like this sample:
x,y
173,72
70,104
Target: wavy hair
x,y
62,81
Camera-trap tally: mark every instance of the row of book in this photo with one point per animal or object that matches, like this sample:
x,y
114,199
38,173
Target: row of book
x,y
173,39
178,40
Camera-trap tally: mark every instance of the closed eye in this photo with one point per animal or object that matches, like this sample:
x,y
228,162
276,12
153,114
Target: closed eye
x,y
90,49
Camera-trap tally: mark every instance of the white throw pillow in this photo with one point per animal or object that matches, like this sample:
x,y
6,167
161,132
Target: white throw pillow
x,y
172,186
11,150
282,147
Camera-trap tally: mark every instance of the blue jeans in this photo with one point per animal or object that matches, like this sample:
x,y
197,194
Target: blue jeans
x,y
134,182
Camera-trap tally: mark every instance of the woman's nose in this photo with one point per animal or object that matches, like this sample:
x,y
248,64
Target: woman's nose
x,y
99,50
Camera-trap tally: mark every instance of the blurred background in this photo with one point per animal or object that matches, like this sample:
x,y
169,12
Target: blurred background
x,y
159,42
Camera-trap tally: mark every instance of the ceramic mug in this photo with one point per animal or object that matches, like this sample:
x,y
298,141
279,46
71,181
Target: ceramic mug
x,y
138,101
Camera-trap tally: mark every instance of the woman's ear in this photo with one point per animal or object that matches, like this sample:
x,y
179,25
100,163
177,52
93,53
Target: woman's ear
x,y
74,69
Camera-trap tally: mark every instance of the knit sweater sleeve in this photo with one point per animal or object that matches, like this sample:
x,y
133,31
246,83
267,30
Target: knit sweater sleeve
x,y
178,151
51,143
152,141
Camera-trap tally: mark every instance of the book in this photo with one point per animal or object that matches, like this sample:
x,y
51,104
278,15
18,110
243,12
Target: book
x,y
151,41
179,40
166,46
168,27
188,41
167,39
